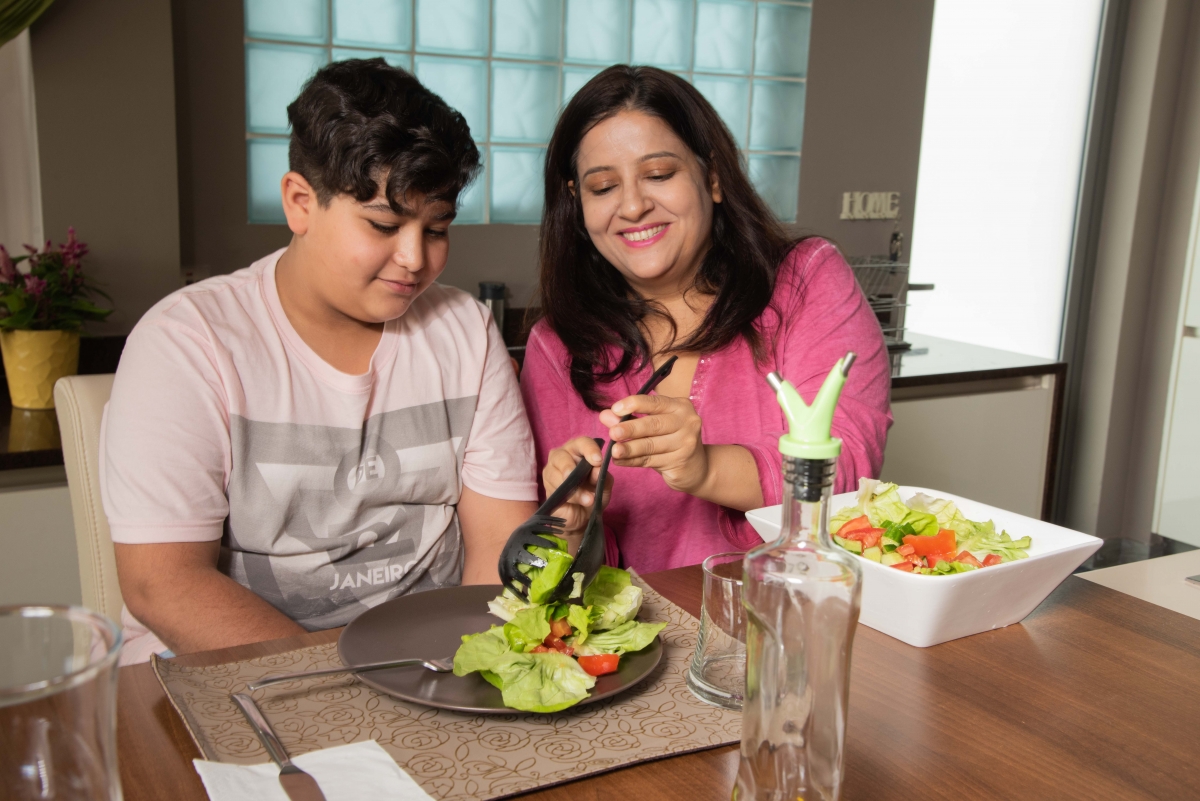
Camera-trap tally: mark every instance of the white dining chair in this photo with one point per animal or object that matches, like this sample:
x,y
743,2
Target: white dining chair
x,y
79,401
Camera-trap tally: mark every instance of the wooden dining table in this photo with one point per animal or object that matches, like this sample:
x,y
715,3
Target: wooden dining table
x,y
1095,695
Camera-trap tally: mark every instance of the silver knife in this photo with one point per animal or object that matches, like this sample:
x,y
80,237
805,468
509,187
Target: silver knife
x,y
298,785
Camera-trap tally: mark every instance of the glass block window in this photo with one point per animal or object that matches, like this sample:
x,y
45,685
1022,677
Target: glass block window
x,y
511,65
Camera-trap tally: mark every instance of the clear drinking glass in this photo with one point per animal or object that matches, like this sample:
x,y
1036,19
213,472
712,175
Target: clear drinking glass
x,y
58,691
718,671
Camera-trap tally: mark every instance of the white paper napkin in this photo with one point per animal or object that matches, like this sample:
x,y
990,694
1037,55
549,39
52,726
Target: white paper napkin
x,y
345,773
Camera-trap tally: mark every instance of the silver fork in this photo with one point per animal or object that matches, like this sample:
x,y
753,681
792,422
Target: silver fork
x,y
436,665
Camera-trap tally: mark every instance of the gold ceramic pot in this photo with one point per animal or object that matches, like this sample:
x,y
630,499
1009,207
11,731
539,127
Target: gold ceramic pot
x,y
33,430
34,360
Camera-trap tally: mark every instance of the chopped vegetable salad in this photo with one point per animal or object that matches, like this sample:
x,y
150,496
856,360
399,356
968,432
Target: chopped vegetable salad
x,y
927,535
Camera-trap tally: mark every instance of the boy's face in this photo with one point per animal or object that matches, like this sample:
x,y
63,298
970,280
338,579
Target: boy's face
x,y
361,258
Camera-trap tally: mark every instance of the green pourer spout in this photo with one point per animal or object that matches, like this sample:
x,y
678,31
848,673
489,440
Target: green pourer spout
x,y
809,426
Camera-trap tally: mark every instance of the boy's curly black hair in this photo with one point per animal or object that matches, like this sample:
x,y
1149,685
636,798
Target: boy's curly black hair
x,y
360,122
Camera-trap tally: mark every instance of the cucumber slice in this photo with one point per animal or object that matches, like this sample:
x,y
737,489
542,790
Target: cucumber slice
x,y
874,554
853,546
891,558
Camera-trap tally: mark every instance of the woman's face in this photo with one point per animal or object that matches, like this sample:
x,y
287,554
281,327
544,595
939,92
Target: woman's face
x,y
647,201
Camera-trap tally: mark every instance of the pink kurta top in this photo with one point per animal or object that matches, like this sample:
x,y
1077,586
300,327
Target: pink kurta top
x,y
817,314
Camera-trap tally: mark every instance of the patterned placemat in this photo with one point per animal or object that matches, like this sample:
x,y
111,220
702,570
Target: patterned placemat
x,y
455,755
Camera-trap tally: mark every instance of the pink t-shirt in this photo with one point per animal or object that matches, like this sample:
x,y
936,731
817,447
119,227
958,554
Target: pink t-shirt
x,y
822,314
330,492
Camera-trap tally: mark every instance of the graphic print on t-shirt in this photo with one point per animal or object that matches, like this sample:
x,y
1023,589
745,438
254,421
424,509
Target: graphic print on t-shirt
x,y
326,522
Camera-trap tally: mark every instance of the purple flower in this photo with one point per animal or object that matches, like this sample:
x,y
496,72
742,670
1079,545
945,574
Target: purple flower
x,y
8,270
34,285
73,250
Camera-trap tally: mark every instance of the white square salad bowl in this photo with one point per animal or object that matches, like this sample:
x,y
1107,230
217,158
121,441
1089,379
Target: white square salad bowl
x,y
926,610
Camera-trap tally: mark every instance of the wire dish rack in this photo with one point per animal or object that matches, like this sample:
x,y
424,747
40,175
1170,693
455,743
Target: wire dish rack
x,y
885,283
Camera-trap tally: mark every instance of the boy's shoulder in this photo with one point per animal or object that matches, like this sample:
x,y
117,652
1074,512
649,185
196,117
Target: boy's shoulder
x,y
222,301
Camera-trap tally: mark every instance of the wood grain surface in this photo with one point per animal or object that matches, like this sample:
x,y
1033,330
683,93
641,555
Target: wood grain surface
x,y
1096,695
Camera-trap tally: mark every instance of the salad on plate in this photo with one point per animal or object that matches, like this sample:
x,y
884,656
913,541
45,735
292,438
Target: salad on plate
x,y
924,535
547,656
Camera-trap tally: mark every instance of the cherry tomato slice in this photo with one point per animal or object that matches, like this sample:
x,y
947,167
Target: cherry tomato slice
x,y
600,664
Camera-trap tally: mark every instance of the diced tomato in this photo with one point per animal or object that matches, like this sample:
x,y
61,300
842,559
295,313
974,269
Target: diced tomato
x,y
556,644
917,561
869,537
942,542
934,558
907,567
906,550
600,664
540,649
991,559
560,627
853,525
967,558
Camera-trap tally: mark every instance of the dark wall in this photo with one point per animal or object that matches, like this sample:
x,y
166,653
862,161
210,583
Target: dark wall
x,y
868,61
106,141
211,112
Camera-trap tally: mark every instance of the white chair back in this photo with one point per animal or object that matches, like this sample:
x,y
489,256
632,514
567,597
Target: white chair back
x,y
79,401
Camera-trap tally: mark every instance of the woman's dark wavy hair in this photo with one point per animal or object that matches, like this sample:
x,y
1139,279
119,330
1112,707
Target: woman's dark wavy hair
x,y
360,121
586,301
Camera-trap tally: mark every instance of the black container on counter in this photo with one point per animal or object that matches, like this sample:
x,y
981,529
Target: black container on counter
x,y
491,294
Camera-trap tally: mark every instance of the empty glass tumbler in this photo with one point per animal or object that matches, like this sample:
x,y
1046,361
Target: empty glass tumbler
x,y
718,671
58,690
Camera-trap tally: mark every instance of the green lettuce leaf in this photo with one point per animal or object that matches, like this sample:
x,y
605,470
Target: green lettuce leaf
x,y
614,599
607,583
506,604
882,505
546,579
528,628
480,651
630,636
620,609
580,618
542,682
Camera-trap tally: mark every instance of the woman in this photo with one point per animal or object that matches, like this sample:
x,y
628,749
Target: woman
x,y
653,244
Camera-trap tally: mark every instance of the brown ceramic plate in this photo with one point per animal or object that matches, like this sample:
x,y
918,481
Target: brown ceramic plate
x,y
430,625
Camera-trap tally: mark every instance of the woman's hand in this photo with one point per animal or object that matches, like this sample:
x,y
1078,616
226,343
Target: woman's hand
x,y
559,465
666,438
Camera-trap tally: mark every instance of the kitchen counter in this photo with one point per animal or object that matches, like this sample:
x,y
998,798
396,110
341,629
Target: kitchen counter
x,y
934,360
977,422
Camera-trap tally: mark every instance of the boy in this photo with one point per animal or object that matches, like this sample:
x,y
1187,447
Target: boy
x,y
294,443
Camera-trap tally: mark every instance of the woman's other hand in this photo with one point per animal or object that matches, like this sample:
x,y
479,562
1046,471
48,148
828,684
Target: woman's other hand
x,y
665,438
559,464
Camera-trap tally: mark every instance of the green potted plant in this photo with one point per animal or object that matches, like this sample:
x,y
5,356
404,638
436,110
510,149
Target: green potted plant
x,y
43,306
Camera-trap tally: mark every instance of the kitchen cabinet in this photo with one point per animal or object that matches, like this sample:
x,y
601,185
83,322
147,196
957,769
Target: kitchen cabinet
x,y
977,422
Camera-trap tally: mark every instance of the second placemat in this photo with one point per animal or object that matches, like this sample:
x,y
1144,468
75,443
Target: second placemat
x,y
455,755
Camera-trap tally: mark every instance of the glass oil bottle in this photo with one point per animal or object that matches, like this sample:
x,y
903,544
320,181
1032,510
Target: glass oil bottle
x,y
802,598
